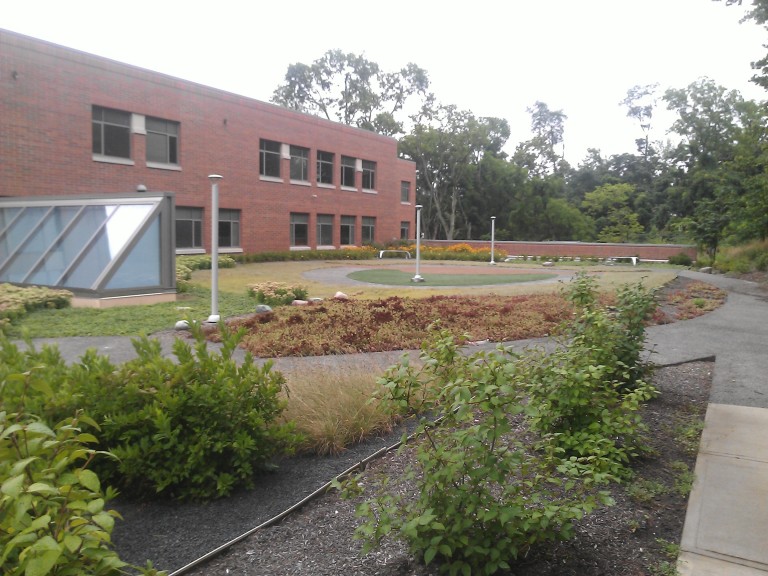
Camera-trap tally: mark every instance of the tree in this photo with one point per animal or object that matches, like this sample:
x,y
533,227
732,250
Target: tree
x,y
746,177
350,89
445,153
538,154
708,118
609,206
710,221
640,103
758,14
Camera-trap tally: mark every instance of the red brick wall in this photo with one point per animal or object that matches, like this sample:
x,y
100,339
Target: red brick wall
x,y
46,96
580,249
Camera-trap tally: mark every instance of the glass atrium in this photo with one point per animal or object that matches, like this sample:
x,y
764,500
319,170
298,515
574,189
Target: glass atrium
x,y
93,246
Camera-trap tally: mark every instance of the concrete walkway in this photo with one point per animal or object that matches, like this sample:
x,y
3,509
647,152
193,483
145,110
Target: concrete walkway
x,y
726,527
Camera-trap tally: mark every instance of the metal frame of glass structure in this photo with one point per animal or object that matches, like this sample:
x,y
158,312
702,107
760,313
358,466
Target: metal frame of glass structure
x,y
94,246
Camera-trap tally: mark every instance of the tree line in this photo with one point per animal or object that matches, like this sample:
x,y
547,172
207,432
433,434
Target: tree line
x,y
707,181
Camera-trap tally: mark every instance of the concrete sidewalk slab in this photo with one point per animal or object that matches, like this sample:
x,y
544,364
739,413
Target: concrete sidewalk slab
x,y
726,525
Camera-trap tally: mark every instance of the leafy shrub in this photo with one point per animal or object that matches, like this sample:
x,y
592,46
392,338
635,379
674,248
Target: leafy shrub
x,y
183,277
15,301
585,396
681,259
203,261
53,515
481,498
193,429
277,293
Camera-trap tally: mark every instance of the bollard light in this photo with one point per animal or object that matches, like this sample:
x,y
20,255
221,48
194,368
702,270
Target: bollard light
x,y
214,317
417,277
493,238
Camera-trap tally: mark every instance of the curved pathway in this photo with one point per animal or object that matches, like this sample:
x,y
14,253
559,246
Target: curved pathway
x,y
727,520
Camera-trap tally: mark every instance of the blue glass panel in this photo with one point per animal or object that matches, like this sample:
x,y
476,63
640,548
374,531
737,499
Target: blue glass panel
x,y
23,259
108,243
18,231
61,253
142,266
6,217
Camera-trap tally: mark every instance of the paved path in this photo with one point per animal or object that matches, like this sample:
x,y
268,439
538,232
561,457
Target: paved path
x,y
726,527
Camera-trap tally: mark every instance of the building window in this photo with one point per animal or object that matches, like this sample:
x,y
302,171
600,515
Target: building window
x,y
229,228
369,230
405,230
324,167
405,191
324,229
369,175
347,171
111,132
299,163
347,230
299,229
189,227
162,141
269,154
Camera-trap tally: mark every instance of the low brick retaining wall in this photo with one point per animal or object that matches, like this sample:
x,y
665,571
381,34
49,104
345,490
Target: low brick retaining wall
x,y
658,252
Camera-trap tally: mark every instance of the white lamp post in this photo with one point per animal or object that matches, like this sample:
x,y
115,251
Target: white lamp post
x,y
418,277
493,238
214,317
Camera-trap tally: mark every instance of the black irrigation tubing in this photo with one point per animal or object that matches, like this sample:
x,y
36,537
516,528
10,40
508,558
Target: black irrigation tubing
x,y
275,519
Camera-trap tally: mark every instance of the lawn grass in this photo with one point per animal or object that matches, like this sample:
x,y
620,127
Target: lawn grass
x,y
127,320
400,278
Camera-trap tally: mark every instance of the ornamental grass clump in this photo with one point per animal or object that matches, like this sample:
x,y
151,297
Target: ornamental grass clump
x,y
332,407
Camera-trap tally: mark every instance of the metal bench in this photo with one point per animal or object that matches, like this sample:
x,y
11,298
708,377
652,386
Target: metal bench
x,y
382,252
613,259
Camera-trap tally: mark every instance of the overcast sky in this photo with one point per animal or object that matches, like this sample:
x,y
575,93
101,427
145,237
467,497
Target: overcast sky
x,y
495,58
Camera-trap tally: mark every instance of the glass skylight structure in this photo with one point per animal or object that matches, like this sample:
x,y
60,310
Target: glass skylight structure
x,y
98,246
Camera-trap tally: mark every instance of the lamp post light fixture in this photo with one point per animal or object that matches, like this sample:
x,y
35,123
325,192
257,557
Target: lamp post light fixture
x,y
417,277
214,317
493,239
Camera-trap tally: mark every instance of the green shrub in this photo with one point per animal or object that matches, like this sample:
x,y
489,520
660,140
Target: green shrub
x,y
183,277
277,293
15,301
481,498
193,429
681,259
53,514
203,262
585,396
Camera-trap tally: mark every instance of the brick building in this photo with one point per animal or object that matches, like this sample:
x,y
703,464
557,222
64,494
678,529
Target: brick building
x,y
73,123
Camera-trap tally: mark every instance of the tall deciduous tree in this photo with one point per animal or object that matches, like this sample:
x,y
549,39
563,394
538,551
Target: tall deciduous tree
x,y
759,14
641,103
445,153
348,88
539,155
